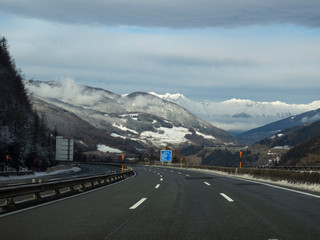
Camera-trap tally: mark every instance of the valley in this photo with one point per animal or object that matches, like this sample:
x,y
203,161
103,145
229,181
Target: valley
x,y
140,123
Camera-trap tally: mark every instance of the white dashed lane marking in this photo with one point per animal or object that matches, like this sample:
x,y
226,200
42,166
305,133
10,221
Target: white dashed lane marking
x,y
138,203
226,197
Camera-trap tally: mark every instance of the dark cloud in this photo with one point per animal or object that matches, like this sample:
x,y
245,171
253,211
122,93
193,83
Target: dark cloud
x,y
170,13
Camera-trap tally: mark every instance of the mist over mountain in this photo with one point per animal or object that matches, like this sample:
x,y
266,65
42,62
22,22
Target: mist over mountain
x,y
236,115
139,117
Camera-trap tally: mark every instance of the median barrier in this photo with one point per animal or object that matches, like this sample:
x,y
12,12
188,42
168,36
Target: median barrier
x,y
8,174
27,195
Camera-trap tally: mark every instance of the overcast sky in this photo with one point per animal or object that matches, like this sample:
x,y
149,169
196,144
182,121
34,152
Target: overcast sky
x,y
205,49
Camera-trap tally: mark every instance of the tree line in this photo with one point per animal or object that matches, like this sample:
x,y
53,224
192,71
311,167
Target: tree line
x,y
25,141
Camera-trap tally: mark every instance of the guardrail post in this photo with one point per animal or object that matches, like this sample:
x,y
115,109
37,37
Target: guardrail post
x,y
9,203
36,196
72,189
57,192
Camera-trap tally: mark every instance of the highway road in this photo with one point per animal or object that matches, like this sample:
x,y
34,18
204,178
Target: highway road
x,y
165,203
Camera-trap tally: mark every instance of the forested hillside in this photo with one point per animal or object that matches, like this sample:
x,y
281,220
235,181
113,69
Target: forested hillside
x,y
292,136
306,153
24,140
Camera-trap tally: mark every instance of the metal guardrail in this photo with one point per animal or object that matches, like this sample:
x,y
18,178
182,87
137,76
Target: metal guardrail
x,y
289,168
28,195
7,174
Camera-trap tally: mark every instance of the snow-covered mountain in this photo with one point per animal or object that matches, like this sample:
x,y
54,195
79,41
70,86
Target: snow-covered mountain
x,y
236,115
140,117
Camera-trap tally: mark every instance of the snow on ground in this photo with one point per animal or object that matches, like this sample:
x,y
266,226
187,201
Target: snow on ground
x,y
123,128
169,96
283,183
175,135
117,135
134,116
104,148
205,136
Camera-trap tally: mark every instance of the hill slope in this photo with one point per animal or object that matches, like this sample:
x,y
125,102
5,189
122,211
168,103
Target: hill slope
x,y
306,153
292,136
257,134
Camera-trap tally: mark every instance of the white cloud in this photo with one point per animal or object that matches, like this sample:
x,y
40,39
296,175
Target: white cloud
x,y
208,63
66,90
311,119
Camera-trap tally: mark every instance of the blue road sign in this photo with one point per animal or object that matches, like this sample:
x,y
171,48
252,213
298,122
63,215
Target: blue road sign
x,y
166,156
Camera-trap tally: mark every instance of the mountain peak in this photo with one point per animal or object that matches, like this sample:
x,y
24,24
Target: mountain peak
x,y
169,96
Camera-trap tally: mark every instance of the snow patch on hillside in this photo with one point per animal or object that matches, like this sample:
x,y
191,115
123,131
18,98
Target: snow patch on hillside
x,y
205,135
175,135
104,148
123,128
117,135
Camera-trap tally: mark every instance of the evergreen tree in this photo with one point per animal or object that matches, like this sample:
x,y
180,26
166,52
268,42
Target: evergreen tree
x,y
23,135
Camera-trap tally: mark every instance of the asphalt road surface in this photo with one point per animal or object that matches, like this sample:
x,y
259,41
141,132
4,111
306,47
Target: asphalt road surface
x,y
165,203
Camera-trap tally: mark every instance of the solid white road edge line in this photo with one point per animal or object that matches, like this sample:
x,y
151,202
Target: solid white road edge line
x,y
157,186
207,183
276,186
138,203
226,197
259,182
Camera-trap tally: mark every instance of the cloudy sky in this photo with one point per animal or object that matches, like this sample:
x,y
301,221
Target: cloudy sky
x,y
205,49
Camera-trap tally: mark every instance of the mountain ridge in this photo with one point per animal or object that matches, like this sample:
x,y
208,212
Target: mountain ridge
x,y
270,129
138,116
239,115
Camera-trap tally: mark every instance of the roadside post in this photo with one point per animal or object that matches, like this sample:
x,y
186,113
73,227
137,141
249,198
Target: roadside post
x,y
240,154
122,157
34,164
7,163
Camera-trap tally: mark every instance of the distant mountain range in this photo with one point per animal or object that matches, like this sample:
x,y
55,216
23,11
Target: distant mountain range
x,y
138,119
238,116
